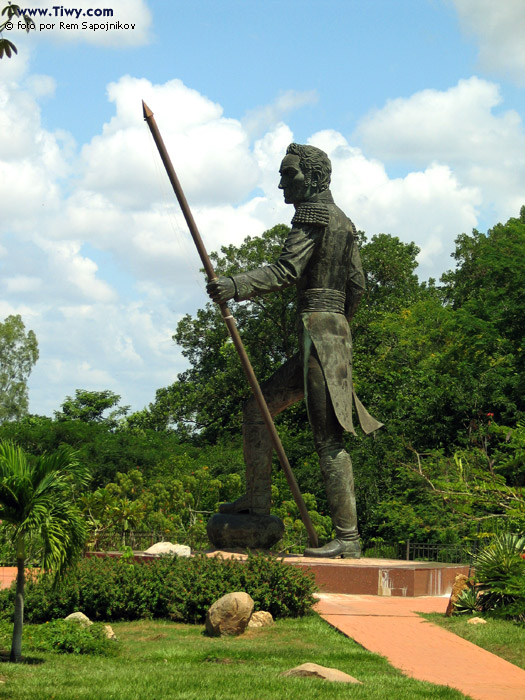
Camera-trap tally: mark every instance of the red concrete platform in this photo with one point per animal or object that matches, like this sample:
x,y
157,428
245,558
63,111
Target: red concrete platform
x,y
7,576
367,576
384,577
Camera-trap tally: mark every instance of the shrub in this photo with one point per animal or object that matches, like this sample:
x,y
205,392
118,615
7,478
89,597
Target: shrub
x,y
499,588
178,588
500,574
63,637
467,602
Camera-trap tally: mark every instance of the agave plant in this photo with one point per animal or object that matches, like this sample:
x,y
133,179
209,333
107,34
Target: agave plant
x,y
467,602
500,575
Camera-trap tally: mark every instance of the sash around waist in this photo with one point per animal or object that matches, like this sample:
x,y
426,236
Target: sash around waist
x,y
322,300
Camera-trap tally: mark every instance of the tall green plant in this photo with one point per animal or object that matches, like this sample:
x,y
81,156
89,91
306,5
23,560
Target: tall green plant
x,y
36,499
500,572
499,586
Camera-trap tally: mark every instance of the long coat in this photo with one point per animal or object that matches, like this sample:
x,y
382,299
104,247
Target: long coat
x,y
320,256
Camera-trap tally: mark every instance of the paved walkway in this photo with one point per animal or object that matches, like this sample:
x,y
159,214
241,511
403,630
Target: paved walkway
x,y
390,626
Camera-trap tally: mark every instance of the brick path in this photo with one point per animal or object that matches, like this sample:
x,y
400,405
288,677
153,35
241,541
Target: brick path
x,y
390,626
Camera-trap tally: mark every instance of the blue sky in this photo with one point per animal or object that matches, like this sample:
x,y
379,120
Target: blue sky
x,y
419,104
242,53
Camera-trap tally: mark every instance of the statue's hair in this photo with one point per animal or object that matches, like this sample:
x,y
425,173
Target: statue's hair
x,y
313,160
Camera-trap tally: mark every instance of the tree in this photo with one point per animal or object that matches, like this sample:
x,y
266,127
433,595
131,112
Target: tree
x,y
205,400
90,406
392,288
11,12
106,450
36,501
423,356
432,365
391,280
18,354
469,494
488,282
204,403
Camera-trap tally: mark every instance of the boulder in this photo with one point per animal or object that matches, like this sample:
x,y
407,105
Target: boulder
x,y
80,618
476,621
324,672
461,582
229,615
261,618
179,550
108,631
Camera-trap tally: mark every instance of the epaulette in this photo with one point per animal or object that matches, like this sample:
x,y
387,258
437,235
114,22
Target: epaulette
x,y
315,214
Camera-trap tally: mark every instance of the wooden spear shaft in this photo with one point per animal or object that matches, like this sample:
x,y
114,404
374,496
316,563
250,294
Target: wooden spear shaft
x,y
232,327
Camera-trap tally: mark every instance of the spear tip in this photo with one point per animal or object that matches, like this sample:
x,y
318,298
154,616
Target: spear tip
x,y
147,111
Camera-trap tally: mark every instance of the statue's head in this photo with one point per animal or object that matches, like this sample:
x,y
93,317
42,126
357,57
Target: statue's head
x,y
305,171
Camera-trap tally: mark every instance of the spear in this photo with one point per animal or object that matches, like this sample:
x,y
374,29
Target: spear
x,y
231,325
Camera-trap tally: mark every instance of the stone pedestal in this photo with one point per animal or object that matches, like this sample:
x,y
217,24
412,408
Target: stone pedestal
x,y
241,531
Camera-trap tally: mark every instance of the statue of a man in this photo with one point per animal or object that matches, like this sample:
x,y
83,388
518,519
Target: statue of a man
x,y
320,257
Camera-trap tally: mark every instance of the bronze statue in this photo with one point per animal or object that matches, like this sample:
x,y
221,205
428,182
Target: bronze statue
x,y
320,256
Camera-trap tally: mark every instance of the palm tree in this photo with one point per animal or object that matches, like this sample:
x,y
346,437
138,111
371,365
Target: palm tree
x,y
36,500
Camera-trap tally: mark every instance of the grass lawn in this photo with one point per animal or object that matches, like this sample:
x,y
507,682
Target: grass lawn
x,y
161,660
501,637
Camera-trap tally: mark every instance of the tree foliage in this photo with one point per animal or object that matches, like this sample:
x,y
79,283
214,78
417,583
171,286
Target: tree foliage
x,y
430,361
10,12
443,497
90,407
36,502
441,366
204,403
18,354
498,589
488,284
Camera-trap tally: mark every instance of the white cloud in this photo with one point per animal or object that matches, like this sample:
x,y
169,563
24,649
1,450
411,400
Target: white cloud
x,y
500,30
31,158
26,188
76,272
16,67
210,152
259,120
41,85
28,313
458,128
429,207
122,346
118,24
22,284
96,255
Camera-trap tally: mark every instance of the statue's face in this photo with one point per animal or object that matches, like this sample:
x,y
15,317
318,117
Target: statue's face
x,y
296,186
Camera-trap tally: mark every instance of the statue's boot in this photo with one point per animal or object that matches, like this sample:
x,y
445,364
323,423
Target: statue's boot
x,y
258,459
347,549
336,467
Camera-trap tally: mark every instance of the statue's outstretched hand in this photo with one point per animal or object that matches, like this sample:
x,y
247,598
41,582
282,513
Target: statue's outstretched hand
x,y
222,289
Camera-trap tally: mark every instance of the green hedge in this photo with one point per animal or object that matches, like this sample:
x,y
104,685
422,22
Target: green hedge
x,y
62,637
181,589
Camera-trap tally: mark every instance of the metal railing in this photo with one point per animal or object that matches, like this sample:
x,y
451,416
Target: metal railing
x,y
449,553
117,540
139,540
424,551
